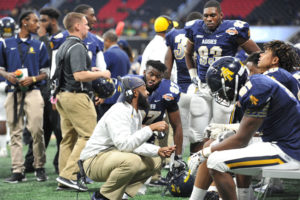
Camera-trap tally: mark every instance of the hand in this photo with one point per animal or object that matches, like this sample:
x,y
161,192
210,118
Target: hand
x,y
26,81
159,126
214,130
166,151
105,74
194,161
99,101
11,77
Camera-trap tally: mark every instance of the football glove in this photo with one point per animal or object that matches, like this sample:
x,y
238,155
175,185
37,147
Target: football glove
x,y
197,158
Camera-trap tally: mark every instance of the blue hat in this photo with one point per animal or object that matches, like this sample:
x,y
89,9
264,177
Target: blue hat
x,y
123,43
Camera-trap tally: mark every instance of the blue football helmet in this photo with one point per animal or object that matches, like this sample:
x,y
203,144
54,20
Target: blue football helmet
x,y
7,27
180,182
103,88
225,77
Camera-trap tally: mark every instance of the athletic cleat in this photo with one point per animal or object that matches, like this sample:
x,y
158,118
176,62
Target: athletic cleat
x,y
16,178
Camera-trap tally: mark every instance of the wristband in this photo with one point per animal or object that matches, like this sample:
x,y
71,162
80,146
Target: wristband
x,y
206,152
34,79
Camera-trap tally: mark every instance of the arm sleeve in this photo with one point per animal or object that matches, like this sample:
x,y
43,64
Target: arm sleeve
x,y
243,29
126,140
78,58
44,59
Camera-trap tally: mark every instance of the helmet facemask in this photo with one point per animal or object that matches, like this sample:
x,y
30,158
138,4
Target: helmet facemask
x,y
226,96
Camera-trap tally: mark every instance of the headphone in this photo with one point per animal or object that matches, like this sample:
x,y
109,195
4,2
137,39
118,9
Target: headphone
x,y
169,21
128,92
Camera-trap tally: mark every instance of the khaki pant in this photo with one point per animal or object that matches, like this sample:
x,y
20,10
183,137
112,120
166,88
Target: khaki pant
x,y
78,120
121,172
33,110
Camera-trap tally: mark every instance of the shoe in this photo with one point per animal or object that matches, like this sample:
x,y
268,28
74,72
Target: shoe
x,y
63,188
29,169
72,184
40,174
160,182
211,195
3,152
16,178
98,196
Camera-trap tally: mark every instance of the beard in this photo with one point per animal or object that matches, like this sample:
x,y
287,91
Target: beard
x,y
143,103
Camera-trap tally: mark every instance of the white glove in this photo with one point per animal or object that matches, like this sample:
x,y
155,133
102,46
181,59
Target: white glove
x,y
197,158
194,76
213,130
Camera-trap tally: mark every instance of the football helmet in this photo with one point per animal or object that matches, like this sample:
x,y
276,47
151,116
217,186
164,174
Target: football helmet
x,y
103,87
225,77
180,182
7,27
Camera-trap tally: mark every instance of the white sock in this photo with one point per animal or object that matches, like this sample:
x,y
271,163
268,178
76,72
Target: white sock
x,y
212,188
2,141
243,193
197,194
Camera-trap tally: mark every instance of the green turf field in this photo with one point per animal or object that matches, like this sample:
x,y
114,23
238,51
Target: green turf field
x,y
33,190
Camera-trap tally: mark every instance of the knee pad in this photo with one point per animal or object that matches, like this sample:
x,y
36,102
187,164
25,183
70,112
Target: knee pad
x,y
215,162
199,106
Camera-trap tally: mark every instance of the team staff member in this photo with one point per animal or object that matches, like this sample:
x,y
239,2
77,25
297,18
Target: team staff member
x,y
76,109
118,154
117,63
24,97
157,48
48,27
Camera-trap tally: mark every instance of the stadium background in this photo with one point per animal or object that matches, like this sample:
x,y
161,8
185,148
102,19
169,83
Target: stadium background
x,y
268,19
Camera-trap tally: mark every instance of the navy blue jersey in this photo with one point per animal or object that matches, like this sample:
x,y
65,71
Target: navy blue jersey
x,y
213,45
93,43
286,79
264,97
296,75
164,98
176,40
118,64
35,56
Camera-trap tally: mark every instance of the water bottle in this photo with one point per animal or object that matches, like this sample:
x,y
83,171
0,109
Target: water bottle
x,y
20,76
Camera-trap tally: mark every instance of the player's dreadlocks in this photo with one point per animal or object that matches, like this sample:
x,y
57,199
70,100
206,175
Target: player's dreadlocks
x,y
288,59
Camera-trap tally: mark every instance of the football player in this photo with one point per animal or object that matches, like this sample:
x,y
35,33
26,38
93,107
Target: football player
x,y
267,105
176,42
163,96
212,38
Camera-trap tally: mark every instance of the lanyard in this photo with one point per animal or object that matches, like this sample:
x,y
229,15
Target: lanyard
x,y
22,56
